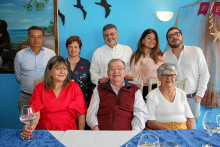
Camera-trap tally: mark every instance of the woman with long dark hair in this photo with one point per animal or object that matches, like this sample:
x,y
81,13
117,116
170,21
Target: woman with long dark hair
x,y
148,57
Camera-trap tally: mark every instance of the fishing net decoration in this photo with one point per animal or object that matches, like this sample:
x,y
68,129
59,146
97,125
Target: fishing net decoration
x,y
196,32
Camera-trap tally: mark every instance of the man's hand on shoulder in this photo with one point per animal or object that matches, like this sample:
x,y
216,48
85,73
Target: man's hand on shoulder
x,y
129,77
103,80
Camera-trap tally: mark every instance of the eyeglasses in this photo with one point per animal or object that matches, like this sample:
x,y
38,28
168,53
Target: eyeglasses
x,y
111,34
118,68
60,68
176,34
165,76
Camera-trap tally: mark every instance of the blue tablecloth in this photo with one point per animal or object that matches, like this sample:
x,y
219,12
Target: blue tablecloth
x,y
185,138
11,137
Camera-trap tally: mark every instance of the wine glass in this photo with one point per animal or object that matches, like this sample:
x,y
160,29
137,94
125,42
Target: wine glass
x,y
169,144
27,115
211,124
148,140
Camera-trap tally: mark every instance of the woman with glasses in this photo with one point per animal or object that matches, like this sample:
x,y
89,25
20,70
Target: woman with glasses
x,y
57,101
167,105
145,61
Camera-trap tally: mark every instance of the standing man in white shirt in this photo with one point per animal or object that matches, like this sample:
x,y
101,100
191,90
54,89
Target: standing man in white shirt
x,y
30,63
104,54
191,65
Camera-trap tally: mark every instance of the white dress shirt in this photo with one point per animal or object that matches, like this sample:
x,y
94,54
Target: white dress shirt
x,y
139,110
102,56
191,66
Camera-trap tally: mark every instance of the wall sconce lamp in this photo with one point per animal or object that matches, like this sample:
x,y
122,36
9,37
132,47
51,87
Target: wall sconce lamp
x,y
164,15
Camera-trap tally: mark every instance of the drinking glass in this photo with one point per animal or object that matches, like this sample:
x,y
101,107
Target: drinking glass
x,y
169,144
211,124
27,115
148,140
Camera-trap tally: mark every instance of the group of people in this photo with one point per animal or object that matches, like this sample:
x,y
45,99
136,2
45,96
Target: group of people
x,y
62,98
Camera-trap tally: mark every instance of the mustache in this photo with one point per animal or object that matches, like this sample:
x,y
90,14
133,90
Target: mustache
x,y
175,40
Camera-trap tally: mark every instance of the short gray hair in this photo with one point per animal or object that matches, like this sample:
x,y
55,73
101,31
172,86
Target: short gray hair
x,y
114,60
109,26
166,67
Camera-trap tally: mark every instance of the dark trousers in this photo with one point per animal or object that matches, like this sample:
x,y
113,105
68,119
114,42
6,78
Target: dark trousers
x,y
145,90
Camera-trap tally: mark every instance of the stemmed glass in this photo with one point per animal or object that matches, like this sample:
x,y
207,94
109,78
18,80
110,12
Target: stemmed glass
x,y
27,115
211,124
148,140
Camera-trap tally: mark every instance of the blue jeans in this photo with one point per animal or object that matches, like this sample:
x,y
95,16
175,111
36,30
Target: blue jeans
x,y
195,108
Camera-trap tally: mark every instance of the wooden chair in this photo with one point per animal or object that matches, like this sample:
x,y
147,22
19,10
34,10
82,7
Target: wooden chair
x,y
182,84
152,82
139,83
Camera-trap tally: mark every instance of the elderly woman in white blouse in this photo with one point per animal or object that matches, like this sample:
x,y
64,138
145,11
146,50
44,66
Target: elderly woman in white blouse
x,y
167,105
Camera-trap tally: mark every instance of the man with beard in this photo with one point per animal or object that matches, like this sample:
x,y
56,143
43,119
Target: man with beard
x,y
191,65
104,54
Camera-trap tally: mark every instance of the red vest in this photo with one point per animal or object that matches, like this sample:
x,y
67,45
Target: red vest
x,y
116,111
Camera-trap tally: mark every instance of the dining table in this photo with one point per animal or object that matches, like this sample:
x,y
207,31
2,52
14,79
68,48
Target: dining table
x,y
88,138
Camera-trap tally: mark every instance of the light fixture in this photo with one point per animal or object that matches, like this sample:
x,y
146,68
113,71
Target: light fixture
x,y
164,15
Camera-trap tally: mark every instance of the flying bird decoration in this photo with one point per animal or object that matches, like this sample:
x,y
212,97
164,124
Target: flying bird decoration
x,y
106,6
79,5
62,16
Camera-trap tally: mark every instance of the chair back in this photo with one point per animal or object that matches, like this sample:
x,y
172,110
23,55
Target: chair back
x,y
182,84
139,83
152,82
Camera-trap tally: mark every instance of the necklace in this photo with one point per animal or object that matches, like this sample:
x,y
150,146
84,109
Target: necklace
x,y
170,96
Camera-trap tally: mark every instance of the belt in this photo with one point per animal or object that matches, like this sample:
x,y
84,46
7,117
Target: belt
x,y
190,95
26,93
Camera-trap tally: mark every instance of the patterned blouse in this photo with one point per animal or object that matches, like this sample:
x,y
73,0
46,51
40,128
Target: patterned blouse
x,y
81,76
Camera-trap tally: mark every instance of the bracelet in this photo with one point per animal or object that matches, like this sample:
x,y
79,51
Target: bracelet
x,y
35,122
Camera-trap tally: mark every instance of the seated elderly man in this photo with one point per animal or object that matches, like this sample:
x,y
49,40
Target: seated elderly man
x,y
117,104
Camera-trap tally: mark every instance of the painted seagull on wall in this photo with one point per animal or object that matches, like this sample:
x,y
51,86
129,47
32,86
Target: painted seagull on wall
x,y
106,6
79,5
61,16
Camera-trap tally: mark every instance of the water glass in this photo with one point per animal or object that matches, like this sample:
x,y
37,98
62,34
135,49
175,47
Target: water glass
x,y
148,140
27,115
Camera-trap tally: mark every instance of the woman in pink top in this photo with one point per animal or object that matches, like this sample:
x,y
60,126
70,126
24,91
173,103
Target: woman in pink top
x,y
148,57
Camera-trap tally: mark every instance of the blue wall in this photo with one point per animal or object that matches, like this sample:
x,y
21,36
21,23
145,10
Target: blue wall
x,y
131,17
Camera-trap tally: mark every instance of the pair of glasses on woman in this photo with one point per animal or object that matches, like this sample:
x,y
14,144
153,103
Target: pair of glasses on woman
x,y
165,76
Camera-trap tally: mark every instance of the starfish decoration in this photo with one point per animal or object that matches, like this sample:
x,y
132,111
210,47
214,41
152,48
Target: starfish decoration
x,y
216,34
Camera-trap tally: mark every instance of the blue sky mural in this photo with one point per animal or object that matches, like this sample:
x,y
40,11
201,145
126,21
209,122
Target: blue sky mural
x,y
19,18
